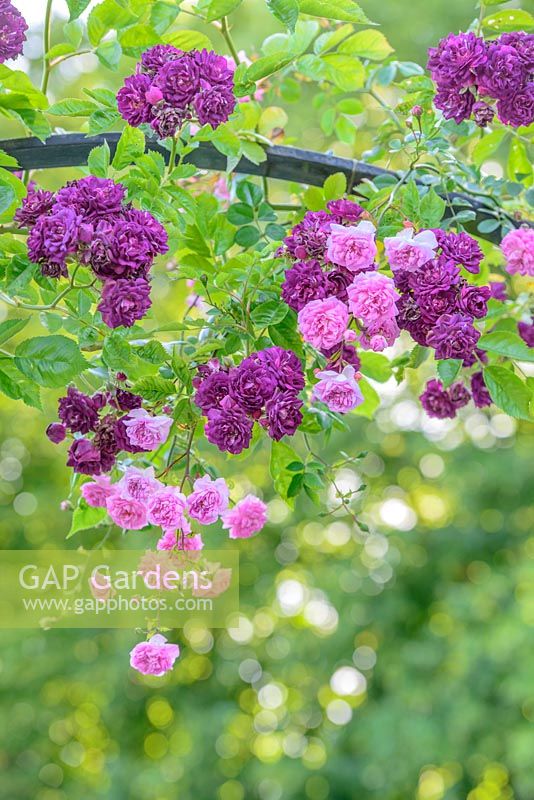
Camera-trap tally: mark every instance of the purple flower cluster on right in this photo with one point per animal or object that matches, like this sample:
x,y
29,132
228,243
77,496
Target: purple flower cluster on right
x,y
471,74
264,388
171,87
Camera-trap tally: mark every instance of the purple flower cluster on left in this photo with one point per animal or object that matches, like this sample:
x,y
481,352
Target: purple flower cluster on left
x,y
90,221
116,421
13,29
171,87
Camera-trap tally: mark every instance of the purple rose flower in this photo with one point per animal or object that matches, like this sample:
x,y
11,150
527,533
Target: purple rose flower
x,y
473,300
251,384
523,44
213,68
517,109
36,203
13,29
305,281
84,458
53,238
453,336
153,231
481,396
229,428
56,432
436,401
132,101
122,439
179,80
212,390
93,198
483,113
437,302
120,250
339,356
213,106
124,302
155,57
283,415
168,120
410,319
526,331
77,411
125,400
440,274
308,239
459,395
503,73
454,104
106,441
339,280
345,210
285,366
462,249
498,290
453,64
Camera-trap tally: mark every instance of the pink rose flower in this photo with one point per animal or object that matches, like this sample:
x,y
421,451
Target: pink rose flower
x,y
166,509
338,390
155,657
352,247
180,540
409,252
127,513
146,431
379,336
208,500
322,323
95,493
139,483
246,518
372,297
518,249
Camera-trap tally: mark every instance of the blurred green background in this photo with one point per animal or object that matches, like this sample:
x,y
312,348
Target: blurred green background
x,y
387,667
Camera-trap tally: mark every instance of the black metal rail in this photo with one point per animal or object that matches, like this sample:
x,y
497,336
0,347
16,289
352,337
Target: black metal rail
x,y
283,163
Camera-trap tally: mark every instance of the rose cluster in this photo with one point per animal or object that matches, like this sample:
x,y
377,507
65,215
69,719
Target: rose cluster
x,y
264,388
171,87
116,421
471,73
13,29
139,499
90,221
444,403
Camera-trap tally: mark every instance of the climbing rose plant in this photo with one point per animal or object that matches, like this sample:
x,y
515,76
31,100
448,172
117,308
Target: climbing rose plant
x,y
294,312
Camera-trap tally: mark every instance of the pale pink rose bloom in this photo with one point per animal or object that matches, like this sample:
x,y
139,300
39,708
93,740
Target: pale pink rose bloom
x,y
155,657
154,567
338,390
246,518
518,249
208,500
220,583
372,297
352,247
323,323
100,587
221,190
409,252
95,493
379,336
146,431
139,483
127,513
166,508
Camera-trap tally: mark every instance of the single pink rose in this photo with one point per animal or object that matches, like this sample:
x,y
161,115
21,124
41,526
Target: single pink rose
x,y
518,249
139,483
338,390
409,252
372,297
208,500
246,518
146,431
379,336
127,513
323,323
352,247
166,508
96,493
155,657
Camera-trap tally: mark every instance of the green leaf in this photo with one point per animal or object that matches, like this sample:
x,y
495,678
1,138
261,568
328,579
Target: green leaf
x,y
240,214
154,389
268,65
76,7
508,392
50,361
371,400
448,370
285,334
130,146
107,16
227,141
17,81
514,19
7,197
369,44
431,210
152,351
247,236
282,455
487,146
189,40
109,53
138,38
98,160
85,517
506,343
116,352
62,49
343,10
72,107
162,15
375,366
269,313
102,120
10,327
335,186
286,11
217,9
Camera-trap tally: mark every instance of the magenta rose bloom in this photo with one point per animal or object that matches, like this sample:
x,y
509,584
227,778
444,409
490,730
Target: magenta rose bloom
x,y
36,203
518,249
96,493
454,63
409,252
526,331
84,457
155,57
132,100
453,336
93,198
208,500
283,415
53,238
13,29
155,657
481,396
285,367
56,432
229,428
437,402
454,104
304,282
462,250
179,80
373,298
246,518
473,300
214,106
166,509
523,44
517,109
124,302
323,323
345,210
251,384
352,247
503,73
127,513
338,390
212,390
146,431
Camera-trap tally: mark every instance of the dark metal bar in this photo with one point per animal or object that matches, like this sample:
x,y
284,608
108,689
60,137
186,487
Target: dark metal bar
x,y
283,163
